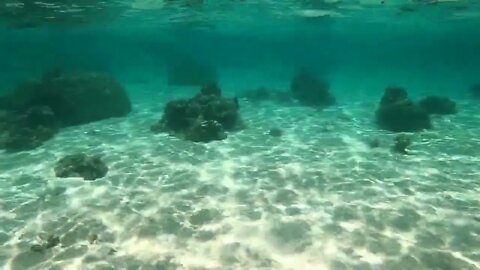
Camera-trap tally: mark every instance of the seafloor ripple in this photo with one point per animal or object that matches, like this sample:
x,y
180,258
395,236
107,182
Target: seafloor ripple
x,y
316,198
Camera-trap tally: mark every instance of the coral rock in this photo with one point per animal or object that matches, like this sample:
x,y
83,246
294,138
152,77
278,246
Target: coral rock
x,y
74,98
81,165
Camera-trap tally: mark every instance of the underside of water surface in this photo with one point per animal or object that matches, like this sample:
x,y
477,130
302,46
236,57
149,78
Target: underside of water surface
x,y
298,134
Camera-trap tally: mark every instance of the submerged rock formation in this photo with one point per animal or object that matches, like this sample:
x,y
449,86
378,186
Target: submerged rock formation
x,y
36,109
203,118
398,113
81,165
438,105
74,98
311,91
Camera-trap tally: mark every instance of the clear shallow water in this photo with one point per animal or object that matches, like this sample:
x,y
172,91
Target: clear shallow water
x,y
316,198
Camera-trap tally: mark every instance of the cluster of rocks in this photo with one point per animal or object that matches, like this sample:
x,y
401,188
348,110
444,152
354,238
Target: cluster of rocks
x,y
37,109
204,118
305,88
398,113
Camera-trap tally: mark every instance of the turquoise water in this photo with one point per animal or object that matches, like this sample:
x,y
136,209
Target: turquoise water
x,y
292,186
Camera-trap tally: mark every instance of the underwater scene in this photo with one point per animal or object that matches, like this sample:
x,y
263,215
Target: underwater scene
x,y
247,134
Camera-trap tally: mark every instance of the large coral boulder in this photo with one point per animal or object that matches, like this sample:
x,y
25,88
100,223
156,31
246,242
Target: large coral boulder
x,y
398,113
74,98
203,118
311,91
81,165
438,105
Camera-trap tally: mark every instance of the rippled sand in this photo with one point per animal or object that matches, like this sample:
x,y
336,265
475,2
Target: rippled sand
x,y
316,198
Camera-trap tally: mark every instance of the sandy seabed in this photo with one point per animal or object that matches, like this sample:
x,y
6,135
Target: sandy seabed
x,y
316,198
